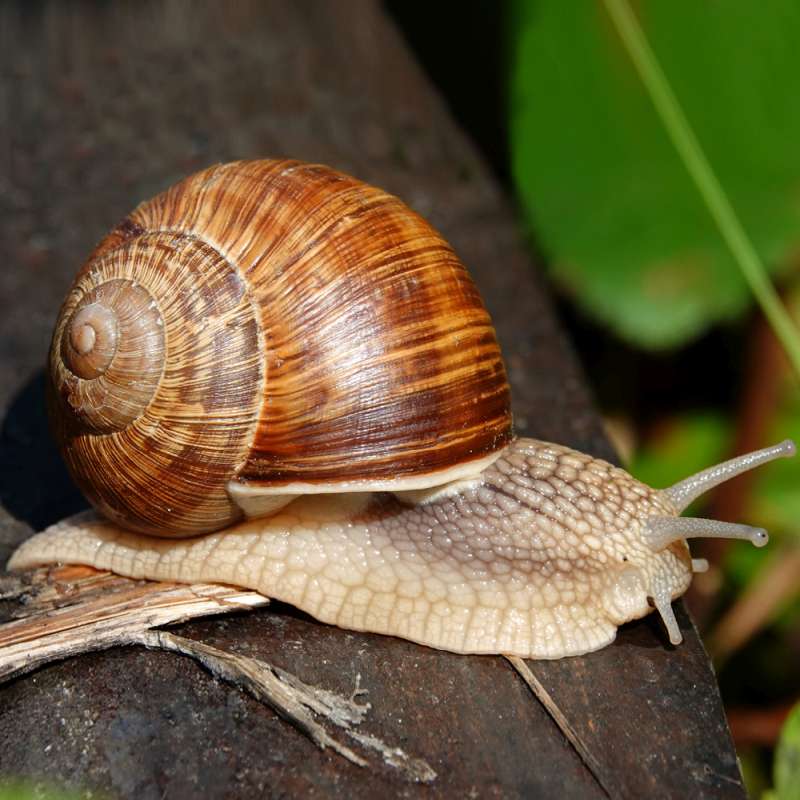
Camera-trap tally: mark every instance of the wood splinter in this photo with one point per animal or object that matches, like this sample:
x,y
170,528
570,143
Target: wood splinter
x,y
62,612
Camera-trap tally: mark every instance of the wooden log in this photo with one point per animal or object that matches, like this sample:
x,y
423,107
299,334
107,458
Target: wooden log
x,y
102,106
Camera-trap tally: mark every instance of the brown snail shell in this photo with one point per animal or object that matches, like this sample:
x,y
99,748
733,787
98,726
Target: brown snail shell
x,y
274,325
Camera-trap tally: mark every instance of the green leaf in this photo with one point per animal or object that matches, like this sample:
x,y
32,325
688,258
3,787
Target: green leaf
x,y
787,759
602,186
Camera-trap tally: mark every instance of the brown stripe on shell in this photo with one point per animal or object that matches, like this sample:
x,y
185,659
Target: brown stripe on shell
x,y
166,467
382,360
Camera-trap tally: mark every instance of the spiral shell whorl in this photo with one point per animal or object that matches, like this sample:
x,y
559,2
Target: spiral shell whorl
x,y
111,355
156,369
91,340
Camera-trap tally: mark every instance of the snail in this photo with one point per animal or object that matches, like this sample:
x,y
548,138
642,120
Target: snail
x,y
275,376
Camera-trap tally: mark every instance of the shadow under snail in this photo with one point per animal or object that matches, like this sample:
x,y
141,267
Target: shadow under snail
x,y
275,376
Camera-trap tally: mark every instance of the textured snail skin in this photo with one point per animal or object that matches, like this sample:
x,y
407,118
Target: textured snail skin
x,y
541,556
274,324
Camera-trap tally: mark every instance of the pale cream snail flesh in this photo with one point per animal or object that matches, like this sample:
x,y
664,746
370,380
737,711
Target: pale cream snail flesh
x,y
293,370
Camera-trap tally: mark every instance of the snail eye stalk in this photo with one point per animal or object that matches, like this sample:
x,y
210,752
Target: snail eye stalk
x,y
660,532
689,489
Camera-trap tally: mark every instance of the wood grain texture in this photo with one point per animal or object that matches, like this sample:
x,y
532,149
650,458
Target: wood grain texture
x,y
105,106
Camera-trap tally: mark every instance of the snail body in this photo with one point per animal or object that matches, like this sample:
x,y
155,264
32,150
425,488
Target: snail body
x,y
275,376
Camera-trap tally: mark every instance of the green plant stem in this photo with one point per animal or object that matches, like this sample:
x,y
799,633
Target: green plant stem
x,y
689,149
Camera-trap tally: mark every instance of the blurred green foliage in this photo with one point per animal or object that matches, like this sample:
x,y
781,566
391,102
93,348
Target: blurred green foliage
x,y
786,769
624,229
689,443
775,500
